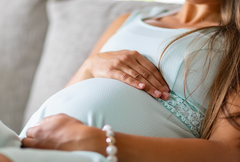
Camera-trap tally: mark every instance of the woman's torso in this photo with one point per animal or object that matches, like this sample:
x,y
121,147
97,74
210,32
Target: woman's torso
x,y
150,41
105,101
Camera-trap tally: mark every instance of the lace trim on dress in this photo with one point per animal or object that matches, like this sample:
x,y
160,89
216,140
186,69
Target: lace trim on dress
x,y
185,112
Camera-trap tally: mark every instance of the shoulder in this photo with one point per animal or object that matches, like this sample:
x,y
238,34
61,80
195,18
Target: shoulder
x,y
119,21
123,17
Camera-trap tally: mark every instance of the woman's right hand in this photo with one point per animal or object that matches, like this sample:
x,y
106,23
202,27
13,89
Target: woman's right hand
x,y
131,68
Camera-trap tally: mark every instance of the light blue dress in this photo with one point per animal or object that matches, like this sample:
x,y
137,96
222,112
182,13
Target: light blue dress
x,y
101,101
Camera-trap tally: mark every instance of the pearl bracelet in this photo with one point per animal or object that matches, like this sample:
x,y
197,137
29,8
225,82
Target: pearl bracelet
x,y
111,149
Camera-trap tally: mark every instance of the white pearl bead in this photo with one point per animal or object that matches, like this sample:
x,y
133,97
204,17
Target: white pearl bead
x,y
110,133
112,158
111,140
106,127
111,150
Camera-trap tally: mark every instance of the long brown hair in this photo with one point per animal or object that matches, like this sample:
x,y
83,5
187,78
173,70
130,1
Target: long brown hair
x,y
227,78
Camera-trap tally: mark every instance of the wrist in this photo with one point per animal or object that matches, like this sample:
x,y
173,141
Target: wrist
x,y
101,143
94,140
83,73
111,149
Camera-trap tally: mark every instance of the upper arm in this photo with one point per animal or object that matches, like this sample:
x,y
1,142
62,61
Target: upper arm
x,y
225,131
109,32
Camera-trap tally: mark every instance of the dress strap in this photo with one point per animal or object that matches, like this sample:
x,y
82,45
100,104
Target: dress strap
x,y
143,13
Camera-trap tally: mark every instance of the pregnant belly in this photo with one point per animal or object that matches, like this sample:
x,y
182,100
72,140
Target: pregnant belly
x,y
100,101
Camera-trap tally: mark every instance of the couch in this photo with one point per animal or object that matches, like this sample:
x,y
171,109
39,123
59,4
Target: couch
x,y
43,43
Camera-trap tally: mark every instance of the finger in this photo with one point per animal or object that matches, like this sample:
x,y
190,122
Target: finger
x,y
128,79
33,143
153,81
149,88
153,86
62,118
37,124
32,131
152,69
130,75
151,73
148,76
28,143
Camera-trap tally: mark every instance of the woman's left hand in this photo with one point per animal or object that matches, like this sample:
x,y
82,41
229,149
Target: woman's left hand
x,y
62,132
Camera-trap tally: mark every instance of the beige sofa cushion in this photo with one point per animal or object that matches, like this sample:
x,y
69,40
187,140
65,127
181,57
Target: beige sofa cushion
x,y
75,27
23,26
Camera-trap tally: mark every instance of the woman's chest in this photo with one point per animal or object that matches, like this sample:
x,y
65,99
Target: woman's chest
x,y
148,42
152,41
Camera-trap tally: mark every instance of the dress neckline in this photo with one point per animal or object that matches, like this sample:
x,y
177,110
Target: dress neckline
x,y
141,21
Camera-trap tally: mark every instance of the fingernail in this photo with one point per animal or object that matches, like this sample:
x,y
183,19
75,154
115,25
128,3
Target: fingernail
x,y
165,95
141,85
157,93
166,88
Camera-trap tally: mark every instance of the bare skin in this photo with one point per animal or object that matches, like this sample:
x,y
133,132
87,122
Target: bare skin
x,y
4,159
194,14
223,145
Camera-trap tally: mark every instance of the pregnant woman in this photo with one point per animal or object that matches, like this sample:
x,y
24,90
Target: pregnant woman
x,y
167,83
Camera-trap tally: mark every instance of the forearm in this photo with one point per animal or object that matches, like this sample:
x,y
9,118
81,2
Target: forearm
x,y
141,149
82,74
4,159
